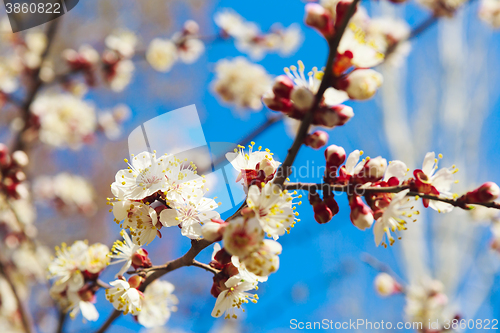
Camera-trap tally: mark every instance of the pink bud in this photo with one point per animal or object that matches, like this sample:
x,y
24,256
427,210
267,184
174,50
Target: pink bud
x,y
485,193
283,86
362,84
135,281
334,156
319,18
4,156
191,27
140,259
316,140
277,103
361,214
336,115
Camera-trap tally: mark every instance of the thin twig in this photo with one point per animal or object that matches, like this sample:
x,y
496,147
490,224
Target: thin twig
x,y
114,315
62,320
384,268
285,169
205,267
36,84
25,318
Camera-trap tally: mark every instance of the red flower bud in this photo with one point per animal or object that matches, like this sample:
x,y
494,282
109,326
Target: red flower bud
x,y
135,281
319,18
316,140
485,193
282,87
334,156
342,8
141,259
331,203
330,117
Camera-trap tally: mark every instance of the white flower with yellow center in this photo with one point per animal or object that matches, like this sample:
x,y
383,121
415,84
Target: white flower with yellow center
x,y
157,304
182,181
82,301
162,54
96,258
242,160
140,219
123,251
311,84
273,208
124,298
66,267
265,260
145,175
234,297
394,218
190,215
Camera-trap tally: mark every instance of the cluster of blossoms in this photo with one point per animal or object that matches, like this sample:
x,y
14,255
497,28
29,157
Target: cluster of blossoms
x,y
69,193
75,271
115,62
162,54
391,211
250,40
64,120
241,82
160,191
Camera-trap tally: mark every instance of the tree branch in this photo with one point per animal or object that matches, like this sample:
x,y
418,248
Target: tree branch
x,y
25,318
285,169
391,189
35,86
205,267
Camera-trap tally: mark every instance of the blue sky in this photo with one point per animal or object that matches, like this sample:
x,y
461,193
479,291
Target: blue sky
x,y
321,274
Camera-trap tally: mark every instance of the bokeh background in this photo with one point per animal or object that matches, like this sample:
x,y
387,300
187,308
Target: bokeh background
x,y
443,98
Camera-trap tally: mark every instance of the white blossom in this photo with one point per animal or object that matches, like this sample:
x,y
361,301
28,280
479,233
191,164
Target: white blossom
x,y
124,298
162,54
241,82
157,304
65,120
233,297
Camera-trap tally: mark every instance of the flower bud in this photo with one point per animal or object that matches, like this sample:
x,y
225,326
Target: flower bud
x,y
374,169
20,158
361,214
135,281
86,294
331,203
362,84
4,156
213,230
319,18
141,259
341,11
191,27
330,117
485,193
242,236
322,214
277,103
385,285
334,156
302,98
283,86
316,140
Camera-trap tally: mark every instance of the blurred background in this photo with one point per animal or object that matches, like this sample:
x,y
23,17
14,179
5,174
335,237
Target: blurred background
x,y
443,97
